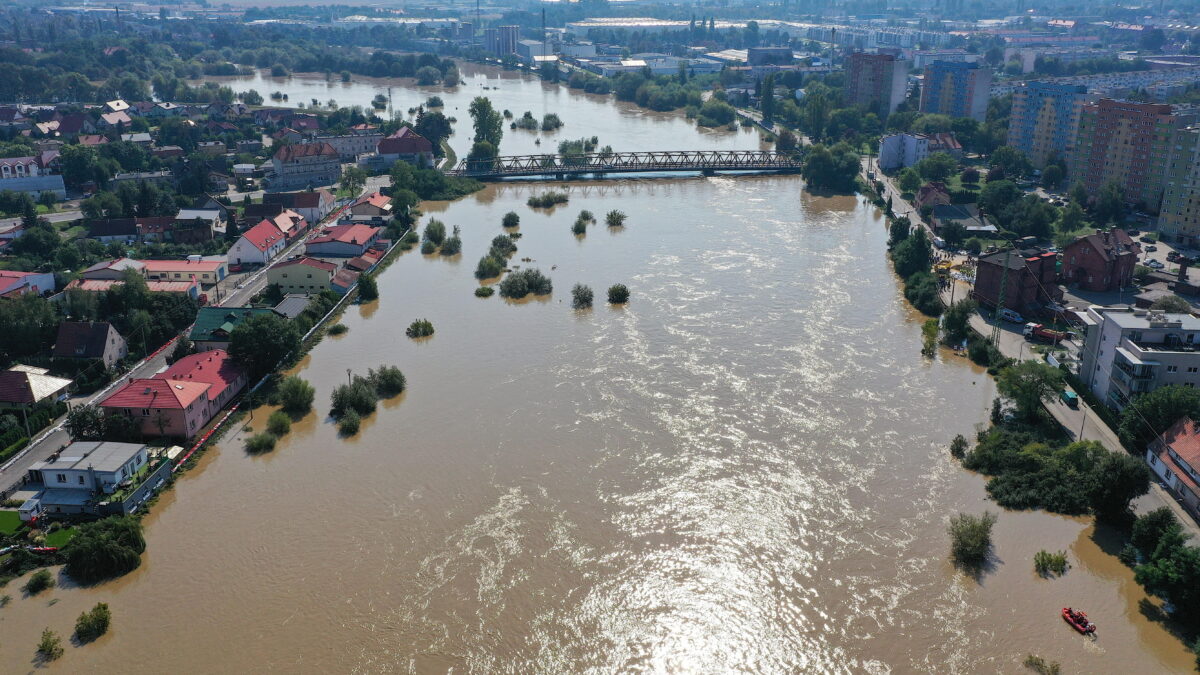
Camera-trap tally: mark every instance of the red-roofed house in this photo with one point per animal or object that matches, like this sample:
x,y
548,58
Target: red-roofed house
x,y
162,407
225,379
343,281
374,207
343,241
290,223
314,206
14,283
1176,460
114,119
258,245
302,275
204,271
301,165
406,145
190,287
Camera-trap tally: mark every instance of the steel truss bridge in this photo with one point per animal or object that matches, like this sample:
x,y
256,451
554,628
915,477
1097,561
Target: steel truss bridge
x,y
563,166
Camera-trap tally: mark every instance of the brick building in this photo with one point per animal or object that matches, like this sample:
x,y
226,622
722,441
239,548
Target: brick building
x,y
1103,261
1031,284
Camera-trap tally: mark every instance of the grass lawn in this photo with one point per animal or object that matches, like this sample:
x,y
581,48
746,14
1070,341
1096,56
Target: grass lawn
x,y
57,539
9,522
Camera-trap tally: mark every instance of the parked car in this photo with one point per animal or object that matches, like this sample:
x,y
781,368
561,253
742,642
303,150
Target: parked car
x,y
1010,315
1154,264
1146,239
1151,248
1133,232
1173,256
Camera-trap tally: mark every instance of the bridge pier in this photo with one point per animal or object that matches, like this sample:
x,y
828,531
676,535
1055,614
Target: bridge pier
x,y
707,172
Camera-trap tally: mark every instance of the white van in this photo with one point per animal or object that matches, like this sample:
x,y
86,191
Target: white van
x,y
939,242
1009,315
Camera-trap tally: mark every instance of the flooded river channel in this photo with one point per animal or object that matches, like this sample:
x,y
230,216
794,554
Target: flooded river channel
x,y
743,470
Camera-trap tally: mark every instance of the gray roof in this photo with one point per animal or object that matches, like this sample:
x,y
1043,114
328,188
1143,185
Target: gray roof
x,y
1141,320
99,455
292,305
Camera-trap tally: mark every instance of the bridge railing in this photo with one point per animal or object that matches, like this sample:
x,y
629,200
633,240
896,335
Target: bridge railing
x,y
628,161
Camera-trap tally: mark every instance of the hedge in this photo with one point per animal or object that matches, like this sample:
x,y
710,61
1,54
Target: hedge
x,y
13,449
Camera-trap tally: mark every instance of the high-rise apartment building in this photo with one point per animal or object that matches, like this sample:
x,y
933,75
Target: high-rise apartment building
x,y
956,89
1128,144
1179,217
1045,117
878,82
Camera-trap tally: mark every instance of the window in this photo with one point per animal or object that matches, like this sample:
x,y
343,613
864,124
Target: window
x,y
62,477
1193,369
145,412
81,480
1172,369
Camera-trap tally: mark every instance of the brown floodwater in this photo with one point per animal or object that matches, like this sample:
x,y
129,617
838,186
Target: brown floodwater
x,y
743,470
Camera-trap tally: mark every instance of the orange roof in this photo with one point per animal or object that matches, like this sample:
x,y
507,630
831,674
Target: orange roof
x,y
375,199
1184,438
347,234
155,393
182,265
264,235
310,262
100,285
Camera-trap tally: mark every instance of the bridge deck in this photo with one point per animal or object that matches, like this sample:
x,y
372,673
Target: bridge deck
x,y
627,162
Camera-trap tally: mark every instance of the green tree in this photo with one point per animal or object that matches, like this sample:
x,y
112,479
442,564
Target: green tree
x,y
998,195
956,322
1027,384
909,180
913,254
767,105
104,549
296,395
1173,304
368,288
1012,161
1152,413
1119,479
938,166
1052,176
581,296
899,230
1151,528
261,342
834,168
1109,206
93,623
971,538
489,124
436,128
1071,218
353,180
50,646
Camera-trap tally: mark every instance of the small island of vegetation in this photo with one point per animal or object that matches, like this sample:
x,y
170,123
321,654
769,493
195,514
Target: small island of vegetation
x,y
548,200
419,328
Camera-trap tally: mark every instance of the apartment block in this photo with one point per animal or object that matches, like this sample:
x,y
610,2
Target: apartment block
x,y
878,82
1126,143
1127,352
1045,118
956,89
1179,218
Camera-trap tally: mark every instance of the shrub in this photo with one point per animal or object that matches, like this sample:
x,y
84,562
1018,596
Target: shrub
x,y
587,216
358,396
971,538
958,447
581,297
452,245
1047,563
93,623
526,281
489,267
615,218
618,294
548,200
38,582
502,246
435,231
349,423
550,122
296,395
368,288
419,329
260,443
104,549
279,424
428,247
50,646
338,329
580,227
388,381
511,219
1041,666
484,292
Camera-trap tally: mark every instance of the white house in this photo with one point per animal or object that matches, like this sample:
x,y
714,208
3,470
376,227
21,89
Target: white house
x,y
258,245
898,151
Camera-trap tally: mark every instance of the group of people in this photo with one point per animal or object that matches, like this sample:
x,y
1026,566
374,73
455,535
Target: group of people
x,y
1080,619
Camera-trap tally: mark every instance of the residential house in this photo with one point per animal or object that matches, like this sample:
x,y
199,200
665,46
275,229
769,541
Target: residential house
x,y
966,215
140,138
167,152
23,387
343,241
1175,459
94,478
1102,261
252,214
292,305
364,262
90,340
123,230
113,269
14,283
33,174
931,194
258,245
119,120
116,105
91,140
406,145
214,325
897,151
161,408
225,378
343,281
212,148
211,203
206,270
372,208
314,206
1030,283
290,223
305,165
1127,352
944,141
214,218
350,146
302,275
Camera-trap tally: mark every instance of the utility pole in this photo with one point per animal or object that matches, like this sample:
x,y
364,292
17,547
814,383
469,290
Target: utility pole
x,y
999,298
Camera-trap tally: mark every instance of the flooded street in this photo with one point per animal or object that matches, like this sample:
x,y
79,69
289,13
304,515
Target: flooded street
x,y
743,470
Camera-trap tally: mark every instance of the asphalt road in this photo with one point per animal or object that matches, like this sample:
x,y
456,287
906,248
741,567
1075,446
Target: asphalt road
x,y
57,217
